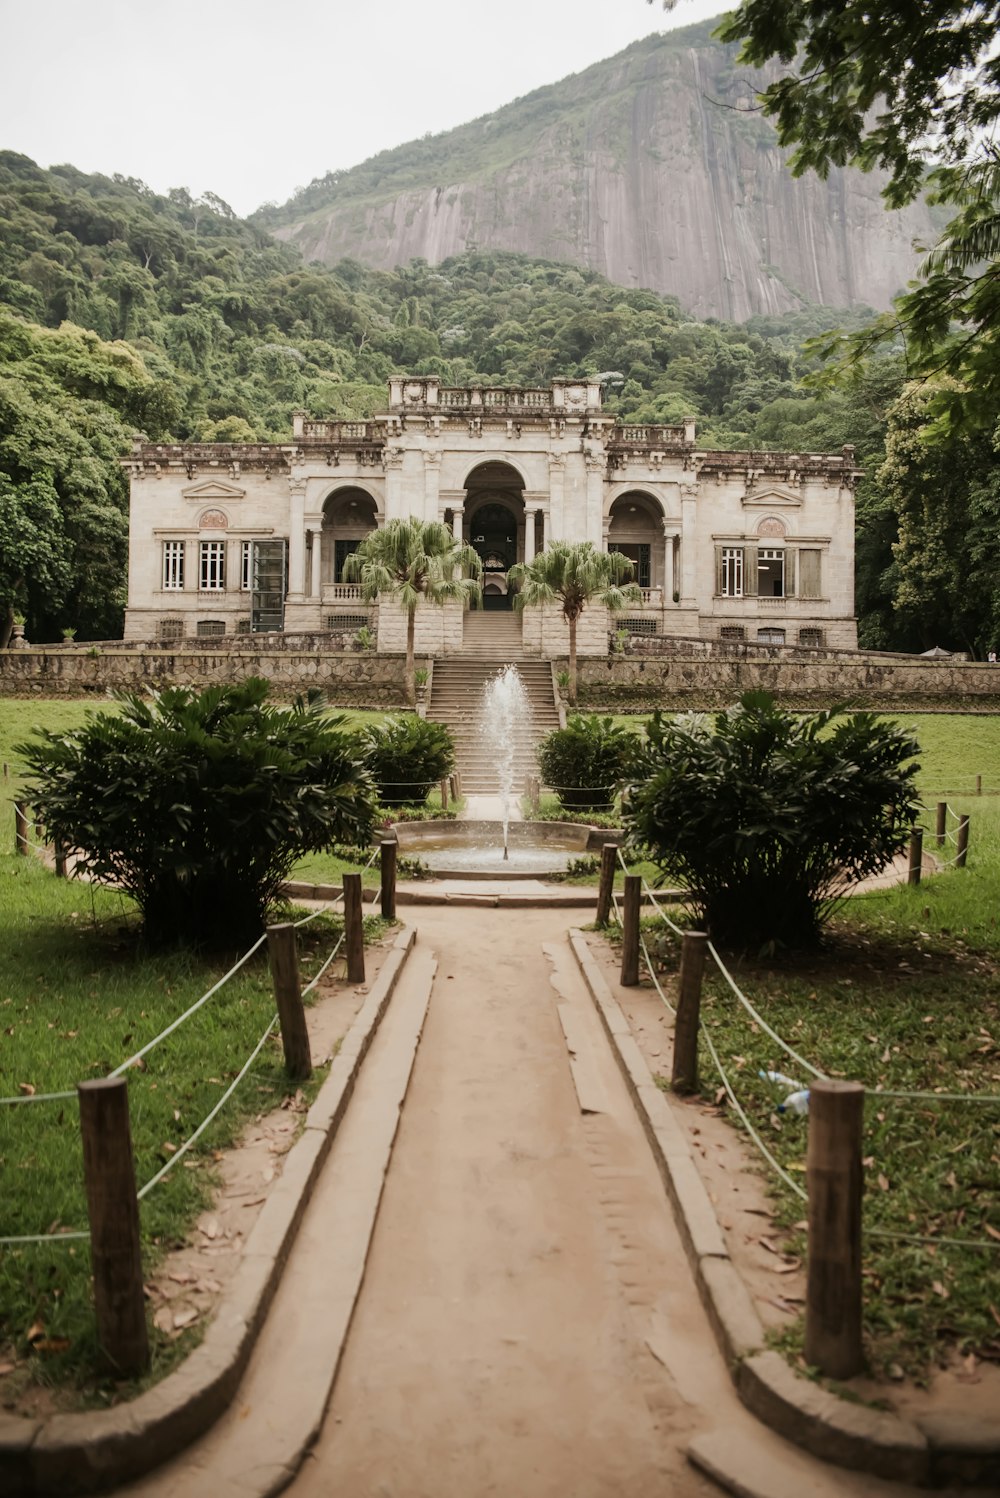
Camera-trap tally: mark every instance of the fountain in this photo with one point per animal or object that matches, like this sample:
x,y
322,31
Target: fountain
x,y
503,707
506,848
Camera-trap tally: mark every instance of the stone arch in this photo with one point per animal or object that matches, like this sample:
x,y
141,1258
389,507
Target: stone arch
x,y
635,528
213,519
349,514
493,523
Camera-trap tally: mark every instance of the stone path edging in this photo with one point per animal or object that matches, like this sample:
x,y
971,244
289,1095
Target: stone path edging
x,y
834,1429
90,1451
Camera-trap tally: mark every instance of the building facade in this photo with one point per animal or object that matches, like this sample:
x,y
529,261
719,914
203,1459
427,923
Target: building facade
x,y
232,538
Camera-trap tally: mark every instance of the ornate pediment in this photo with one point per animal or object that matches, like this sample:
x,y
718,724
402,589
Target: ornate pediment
x,y
770,498
213,491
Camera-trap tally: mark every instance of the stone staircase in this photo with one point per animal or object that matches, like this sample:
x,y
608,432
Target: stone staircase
x,y
491,641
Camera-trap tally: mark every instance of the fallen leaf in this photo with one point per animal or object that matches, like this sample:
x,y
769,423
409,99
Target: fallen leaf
x,y
883,1182
209,1227
163,1319
896,1372
181,1277
787,1268
940,1289
52,1344
35,1330
7,1368
992,1232
168,1148
26,1089
185,1316
254,1201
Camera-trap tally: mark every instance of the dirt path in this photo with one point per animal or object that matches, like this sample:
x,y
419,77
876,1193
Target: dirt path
x,y
523,1258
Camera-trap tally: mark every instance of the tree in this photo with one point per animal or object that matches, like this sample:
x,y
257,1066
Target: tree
x,y
913,90
199,804
766,817
415,561
574,574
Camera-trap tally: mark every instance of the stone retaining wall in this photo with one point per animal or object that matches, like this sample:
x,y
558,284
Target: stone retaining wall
x,y
356,679
639,682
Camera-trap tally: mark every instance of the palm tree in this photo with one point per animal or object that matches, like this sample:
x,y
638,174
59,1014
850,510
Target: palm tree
x,y
575,574
410,560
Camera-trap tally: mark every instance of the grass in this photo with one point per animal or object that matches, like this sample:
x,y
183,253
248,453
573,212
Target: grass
x,y
904,995
78,995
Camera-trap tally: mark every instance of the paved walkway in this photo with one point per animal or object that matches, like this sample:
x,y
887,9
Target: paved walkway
x,y
527,1325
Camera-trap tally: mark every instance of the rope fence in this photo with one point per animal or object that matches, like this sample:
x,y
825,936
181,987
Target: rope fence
x,y
868,1095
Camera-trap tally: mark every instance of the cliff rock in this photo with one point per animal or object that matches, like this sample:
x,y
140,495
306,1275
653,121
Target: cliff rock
x,y
652,168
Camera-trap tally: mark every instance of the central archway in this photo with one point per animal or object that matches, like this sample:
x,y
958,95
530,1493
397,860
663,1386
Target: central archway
x,y
494,526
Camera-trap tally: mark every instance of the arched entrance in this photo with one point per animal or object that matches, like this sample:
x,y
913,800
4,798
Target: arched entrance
x,y
494,527
636,530
349,514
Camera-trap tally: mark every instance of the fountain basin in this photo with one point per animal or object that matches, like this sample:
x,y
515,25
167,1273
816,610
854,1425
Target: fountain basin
x,y
474,850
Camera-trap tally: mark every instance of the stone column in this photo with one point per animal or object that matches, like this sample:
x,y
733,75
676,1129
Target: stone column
x,y
457,519
296,540
316,585
669,583
688,548
432,484
596,474
529,535
392,463
557,469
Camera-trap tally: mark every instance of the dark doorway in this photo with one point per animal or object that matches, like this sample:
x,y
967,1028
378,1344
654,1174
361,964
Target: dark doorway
x,y
494,538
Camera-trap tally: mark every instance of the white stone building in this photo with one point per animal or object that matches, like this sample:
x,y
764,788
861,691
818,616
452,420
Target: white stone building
x,y
230,538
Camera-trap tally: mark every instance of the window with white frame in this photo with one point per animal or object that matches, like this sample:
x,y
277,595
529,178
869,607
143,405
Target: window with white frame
x,y
212,572
771,635
173,565
771,572
731,572
246,566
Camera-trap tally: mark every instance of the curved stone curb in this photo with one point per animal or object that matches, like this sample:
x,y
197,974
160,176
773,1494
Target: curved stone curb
x,y
88,1452
923,1453
572,899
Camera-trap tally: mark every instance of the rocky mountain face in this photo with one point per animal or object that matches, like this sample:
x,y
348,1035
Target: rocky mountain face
x,y
652,168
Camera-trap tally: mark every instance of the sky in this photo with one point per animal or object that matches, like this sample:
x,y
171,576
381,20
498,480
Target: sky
x,y
250,100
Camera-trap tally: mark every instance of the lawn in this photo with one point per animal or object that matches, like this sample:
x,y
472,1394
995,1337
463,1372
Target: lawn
x,y
904,995
79,995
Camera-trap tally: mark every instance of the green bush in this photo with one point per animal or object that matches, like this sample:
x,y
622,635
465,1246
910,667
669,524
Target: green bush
x,y
407,755
585,762
767,817
199,804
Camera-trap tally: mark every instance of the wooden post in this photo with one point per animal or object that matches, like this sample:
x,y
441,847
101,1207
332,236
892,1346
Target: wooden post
x,y
963,841
282,950
387,865
834,1181
444,794
605,890
941,825
630,931
20,828
916,855
60,859
354,936
113,1212
979,785
694,946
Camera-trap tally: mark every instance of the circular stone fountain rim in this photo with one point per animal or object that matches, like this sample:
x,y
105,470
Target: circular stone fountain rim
x,y
590,840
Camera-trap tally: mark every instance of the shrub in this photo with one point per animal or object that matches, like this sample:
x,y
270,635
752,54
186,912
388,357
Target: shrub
x,y
406,756
199,804
767,817
585,762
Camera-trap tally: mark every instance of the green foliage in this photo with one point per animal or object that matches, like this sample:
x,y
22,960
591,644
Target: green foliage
x,y
199,804
574,574
767,817
415,561
406,756
587,761
915,90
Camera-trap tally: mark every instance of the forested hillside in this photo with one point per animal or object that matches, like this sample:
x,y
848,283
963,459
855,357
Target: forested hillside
x,y
123,309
